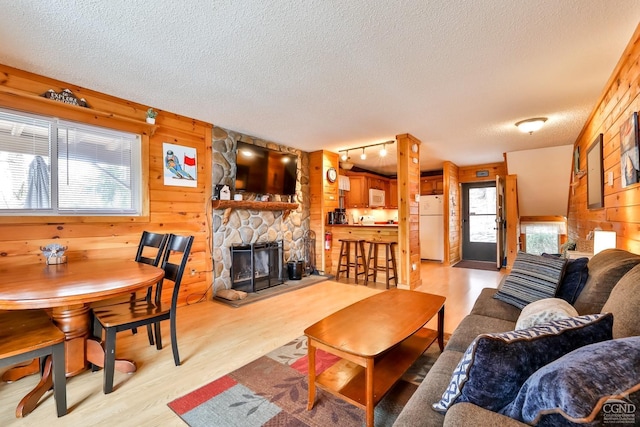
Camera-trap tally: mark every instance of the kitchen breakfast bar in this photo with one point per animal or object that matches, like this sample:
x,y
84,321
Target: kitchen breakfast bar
x,y
366,232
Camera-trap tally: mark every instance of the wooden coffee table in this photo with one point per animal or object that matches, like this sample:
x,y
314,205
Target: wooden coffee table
x,y
378,339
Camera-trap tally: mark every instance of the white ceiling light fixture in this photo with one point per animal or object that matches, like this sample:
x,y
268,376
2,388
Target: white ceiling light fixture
x,y
531,125
346,165
383,150
345,156
363,156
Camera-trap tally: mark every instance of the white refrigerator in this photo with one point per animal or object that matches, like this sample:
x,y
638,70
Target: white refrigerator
x,y
431,228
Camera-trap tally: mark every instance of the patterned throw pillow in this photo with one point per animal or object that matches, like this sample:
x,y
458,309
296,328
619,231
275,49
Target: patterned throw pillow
x,y
494,366
572,389
532,277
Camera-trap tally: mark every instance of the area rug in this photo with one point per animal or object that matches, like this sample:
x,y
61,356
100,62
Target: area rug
x,y
477,265
272,391
288,286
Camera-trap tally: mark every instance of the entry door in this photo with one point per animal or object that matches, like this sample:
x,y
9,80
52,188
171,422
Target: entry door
x,y
479,221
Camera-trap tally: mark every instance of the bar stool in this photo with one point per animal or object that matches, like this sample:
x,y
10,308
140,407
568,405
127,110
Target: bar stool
x,y
389,264
358,262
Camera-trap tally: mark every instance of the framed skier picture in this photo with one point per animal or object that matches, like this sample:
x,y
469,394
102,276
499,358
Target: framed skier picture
x,y
180,165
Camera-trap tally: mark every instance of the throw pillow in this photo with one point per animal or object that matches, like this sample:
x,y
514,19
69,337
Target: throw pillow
x,y
573,280
573,389
543,311
494,366
532,277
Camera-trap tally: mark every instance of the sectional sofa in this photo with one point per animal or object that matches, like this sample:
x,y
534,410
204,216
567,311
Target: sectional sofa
x,y
612,285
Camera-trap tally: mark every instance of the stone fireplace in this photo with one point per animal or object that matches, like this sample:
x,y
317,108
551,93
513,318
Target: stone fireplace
x,y
245,227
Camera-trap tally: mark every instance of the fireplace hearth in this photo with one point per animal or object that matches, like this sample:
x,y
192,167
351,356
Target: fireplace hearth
x,y
256,266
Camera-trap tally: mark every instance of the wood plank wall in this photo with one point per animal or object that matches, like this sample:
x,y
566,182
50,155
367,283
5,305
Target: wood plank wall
x,y
468,173
452,226
621,212
178,210
408,212
323,197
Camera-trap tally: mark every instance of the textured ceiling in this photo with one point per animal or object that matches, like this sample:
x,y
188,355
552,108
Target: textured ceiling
x,y
337,74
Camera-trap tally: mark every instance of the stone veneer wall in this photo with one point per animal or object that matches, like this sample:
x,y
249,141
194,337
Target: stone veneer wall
x,y
252,226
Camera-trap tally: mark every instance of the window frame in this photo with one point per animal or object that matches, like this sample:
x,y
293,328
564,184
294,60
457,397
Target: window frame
x,y
35,105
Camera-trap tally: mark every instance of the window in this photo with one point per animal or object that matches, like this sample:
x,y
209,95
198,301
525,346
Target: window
x,y
542,237
56,167
482,215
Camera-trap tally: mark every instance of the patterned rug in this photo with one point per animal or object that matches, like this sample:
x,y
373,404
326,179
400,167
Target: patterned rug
x,y
272,391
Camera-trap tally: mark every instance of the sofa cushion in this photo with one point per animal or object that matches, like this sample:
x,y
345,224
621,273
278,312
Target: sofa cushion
x,y
543,311
495,366
573,279
624,303
417,411
532,277
468,414
472,326
487,305
571,388
605,270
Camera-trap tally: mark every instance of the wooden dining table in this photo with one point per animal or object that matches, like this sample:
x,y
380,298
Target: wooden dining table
x,y
66,291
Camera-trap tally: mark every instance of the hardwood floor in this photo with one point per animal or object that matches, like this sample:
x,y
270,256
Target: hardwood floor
x,y
215,339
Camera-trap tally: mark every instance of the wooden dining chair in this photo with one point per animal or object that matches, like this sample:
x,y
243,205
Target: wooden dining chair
x,y
150,251
29,334
121,317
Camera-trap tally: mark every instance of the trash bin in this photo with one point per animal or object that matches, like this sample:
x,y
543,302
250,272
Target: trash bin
x,y
295,269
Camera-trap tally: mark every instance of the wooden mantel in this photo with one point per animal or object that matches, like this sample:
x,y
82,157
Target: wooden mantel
x,y
229,205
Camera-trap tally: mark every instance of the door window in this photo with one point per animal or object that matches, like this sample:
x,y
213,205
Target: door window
x,y
482,215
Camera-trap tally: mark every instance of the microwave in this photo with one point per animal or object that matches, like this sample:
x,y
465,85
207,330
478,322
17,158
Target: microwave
x,y
376,198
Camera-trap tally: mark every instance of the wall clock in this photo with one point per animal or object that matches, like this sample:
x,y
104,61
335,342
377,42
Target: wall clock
x,y
332,175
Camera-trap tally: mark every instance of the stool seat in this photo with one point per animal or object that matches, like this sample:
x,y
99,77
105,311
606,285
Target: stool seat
x,y
345,262
389,265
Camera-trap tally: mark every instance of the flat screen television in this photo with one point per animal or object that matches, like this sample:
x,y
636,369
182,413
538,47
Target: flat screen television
x,y
264,171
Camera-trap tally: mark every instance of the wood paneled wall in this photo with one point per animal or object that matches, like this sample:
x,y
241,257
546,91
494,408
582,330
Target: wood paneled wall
x,y
168,209
323,197
621,212
468,173
408,211
452,227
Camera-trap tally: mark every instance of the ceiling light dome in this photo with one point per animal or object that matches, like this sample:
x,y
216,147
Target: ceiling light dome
x,y
531,125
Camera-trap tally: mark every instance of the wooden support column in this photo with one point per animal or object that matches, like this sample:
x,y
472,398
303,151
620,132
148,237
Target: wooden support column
x,y
408,211
323,197
512,217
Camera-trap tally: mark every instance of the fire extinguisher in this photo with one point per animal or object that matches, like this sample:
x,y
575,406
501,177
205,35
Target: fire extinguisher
x,y
327,241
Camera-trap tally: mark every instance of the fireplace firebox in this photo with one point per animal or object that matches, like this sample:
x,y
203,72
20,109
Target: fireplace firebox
x,y
256,266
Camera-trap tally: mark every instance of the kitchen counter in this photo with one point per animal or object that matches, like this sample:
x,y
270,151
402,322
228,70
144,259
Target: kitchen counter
x,y
375,232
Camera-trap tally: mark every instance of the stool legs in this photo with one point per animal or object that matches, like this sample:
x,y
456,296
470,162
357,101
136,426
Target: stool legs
x,y
389,264
345,262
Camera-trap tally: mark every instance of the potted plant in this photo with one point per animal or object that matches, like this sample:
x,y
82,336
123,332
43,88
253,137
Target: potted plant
x,y
151,116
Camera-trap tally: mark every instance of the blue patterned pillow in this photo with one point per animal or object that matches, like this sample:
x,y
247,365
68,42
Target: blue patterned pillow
x,y
494,366
532,277
573,389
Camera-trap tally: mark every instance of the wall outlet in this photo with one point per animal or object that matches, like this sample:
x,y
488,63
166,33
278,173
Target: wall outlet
x,y
414,267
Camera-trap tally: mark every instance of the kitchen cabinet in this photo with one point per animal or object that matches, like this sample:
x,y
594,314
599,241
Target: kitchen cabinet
x,y
431,185
379,183
392,194
358,195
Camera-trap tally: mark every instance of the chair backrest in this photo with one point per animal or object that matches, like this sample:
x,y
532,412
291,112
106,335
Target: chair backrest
x,y
174,262
154,241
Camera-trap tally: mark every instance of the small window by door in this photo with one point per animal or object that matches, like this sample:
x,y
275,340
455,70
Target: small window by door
x,y
542,237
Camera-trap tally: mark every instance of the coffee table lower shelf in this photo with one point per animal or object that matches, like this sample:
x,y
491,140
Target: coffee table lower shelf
x,y
347,380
